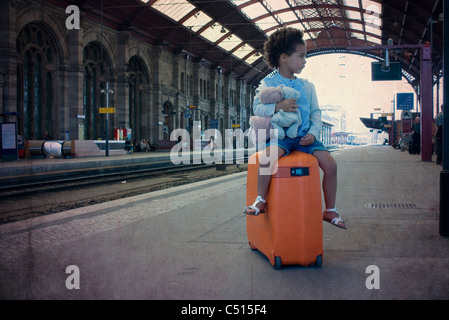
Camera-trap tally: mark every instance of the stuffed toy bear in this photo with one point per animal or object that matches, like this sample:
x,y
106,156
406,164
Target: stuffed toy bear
x,y
291,121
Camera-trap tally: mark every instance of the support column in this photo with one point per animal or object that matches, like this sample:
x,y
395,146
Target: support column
x,y
176,84
196,86
213,94
155,104
444,175
225,103
426,103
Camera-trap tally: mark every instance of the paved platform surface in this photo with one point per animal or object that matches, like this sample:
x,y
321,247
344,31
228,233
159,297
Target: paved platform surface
x,y
189,242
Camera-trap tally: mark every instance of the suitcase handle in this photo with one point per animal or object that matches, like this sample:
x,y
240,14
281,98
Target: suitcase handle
x,y
299,171
283,172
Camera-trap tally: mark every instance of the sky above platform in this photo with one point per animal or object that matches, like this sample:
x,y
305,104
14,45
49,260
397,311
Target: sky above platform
x,y
345,80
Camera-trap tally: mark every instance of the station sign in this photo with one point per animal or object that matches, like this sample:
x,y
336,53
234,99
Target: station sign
x,y
107,110
404,101
380,73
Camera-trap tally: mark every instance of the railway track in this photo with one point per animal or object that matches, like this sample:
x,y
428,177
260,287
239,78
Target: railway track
x,y
23,188
26,199
21,185
47,193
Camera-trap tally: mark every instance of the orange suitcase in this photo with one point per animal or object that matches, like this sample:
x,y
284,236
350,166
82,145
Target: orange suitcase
x,y
291,229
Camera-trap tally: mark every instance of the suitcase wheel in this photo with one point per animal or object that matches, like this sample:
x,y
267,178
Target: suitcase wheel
x,y
277,263
319,261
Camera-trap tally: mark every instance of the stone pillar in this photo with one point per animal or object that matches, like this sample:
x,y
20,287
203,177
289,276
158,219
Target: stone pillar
x,y
75,87
8,58
248,105
121,91
155,94
213,94
226,104
196,89
176,84
238,107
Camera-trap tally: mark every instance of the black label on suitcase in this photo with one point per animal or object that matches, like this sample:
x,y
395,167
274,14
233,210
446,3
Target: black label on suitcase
x,y
299,172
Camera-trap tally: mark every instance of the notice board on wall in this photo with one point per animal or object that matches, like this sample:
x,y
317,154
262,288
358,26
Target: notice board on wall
x,y
404,101
9,141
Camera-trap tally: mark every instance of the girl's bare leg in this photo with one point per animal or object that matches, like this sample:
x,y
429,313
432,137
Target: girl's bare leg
x,y
329,167
267,163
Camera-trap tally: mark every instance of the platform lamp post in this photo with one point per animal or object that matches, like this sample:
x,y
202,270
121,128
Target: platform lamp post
x,y
444,175
107,92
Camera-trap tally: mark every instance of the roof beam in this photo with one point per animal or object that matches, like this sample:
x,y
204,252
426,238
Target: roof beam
x,y
345,23
302,23
321,18
293,7
330,19
362,16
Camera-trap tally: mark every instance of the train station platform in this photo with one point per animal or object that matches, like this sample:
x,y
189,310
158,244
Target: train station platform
x,y
46,169
189,243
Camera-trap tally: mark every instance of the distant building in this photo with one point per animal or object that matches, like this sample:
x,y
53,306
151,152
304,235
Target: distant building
x,y
343,138
326,129
339,137
337,116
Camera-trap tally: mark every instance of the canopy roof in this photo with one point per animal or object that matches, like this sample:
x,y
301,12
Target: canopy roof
x,y
229,34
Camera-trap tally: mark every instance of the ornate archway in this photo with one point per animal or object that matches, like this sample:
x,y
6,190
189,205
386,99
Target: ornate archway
x,y
36,72
96,72
137,83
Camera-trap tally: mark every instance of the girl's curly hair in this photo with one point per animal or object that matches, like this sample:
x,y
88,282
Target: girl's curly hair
x,y
281,41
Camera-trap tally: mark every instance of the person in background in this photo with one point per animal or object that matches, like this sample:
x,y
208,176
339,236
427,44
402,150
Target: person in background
x,y
128,146
144,146
416,137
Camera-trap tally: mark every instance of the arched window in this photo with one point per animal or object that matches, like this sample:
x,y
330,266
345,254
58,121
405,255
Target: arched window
x,y
35,81
96,72
137,81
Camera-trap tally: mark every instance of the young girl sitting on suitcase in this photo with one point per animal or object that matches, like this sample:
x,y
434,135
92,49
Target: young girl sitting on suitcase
x,y
285,51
